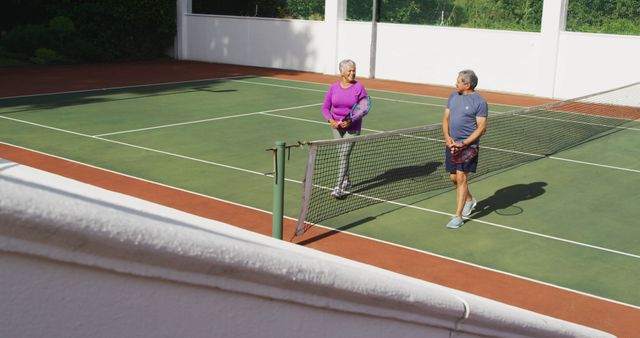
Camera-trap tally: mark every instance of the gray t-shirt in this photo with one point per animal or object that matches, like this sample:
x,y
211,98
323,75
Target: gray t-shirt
x,y
463,110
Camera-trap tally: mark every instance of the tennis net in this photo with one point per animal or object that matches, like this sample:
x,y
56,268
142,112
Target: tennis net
x,y
390,165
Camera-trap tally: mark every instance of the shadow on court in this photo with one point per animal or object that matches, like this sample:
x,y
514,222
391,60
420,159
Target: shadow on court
x,y
330,233
503,201
413,174
390,185
45,102
207,89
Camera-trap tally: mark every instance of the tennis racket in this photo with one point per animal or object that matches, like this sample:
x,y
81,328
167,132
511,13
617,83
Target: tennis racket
x,y
464,155
360,109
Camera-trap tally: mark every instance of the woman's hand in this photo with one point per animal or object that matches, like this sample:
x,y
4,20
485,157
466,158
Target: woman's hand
x,y
345,123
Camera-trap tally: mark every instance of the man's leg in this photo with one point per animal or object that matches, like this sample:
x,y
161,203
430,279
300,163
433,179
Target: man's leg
x,y
454,180
463,194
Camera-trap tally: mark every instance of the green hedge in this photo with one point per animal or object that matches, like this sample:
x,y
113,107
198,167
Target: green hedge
x,y
91,30
604,16
295,9
597,16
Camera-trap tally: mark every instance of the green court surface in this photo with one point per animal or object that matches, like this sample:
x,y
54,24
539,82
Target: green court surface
x,y
569,220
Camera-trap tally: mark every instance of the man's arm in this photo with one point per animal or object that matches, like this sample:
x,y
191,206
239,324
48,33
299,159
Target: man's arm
x,y
445,128
482,128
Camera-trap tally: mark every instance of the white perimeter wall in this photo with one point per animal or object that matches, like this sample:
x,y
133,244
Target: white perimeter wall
x,y
590,63
272,43
552,63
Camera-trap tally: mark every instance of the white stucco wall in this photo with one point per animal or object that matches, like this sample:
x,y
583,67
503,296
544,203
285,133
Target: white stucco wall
x,y
415,53
551,63
589,63
262,42
80,261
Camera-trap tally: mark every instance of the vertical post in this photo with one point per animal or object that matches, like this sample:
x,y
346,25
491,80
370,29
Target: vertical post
x,y
334,12
375,17
180,51
278,191
554,18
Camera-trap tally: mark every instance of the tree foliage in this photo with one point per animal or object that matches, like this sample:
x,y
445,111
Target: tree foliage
x,y
103,30
494,14
604,16
600,16
295,9
87,30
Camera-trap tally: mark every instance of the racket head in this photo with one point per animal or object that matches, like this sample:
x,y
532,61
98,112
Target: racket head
x,y
464,155
360,109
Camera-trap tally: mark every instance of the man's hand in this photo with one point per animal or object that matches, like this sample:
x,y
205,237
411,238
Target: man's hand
x,y
456,147
449,141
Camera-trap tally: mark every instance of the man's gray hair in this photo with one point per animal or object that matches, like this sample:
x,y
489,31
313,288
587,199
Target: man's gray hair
x,y
344,64
469,76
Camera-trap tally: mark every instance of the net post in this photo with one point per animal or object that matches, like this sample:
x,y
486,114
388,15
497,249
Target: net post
x,y
278,192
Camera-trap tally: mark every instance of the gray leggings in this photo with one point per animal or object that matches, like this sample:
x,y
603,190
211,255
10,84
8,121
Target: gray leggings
x,y
344,151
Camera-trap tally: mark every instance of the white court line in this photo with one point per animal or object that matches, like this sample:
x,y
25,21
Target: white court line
x,y
324,91
135,146
207,120
299,182
578,122
474,265
411,206
253,172
364,236
498,149
593,164
442,98
123,87
307,120
232,78
387,91
333,229
443,106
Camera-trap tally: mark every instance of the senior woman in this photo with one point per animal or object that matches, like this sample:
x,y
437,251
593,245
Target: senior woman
x,y
338,101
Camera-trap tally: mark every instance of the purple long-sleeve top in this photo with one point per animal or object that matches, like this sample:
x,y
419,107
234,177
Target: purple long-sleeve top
x,y
339,101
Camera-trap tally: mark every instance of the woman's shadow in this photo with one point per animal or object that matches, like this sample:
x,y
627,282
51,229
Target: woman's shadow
x,y
505,199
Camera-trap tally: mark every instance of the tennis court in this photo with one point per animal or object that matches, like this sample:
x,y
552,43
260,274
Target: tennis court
x,y
569,220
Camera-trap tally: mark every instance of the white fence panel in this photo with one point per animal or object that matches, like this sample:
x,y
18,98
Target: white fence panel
x,y
590,63
272,43
552,63
428,54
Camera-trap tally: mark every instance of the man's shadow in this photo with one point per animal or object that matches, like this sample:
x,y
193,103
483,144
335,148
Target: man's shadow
x,y
396,174
507,197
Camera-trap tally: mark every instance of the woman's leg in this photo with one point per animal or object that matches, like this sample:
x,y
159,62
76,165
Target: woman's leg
x,y
344,151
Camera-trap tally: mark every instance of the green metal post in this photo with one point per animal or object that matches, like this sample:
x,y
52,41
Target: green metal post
x,y
278,192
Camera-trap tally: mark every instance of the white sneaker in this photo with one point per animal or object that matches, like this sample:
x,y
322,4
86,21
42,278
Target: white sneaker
x,y
337,192
468,207
455,223
346,185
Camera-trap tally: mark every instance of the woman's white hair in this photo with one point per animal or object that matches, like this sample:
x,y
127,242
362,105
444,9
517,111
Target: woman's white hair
x,y
344,64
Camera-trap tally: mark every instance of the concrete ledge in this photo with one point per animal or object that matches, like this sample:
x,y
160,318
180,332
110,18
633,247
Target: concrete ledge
x,y
61,239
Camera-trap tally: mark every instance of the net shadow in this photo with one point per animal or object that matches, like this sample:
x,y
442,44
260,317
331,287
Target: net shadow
x,y
391,165
395,175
